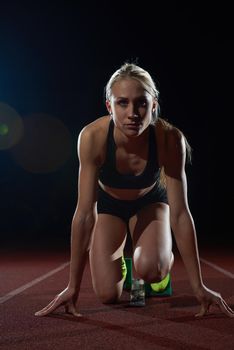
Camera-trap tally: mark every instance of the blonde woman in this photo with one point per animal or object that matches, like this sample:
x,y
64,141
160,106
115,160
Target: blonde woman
x,y
132,176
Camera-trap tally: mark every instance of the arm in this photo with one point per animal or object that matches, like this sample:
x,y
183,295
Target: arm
x,y
181,219
82,223
182,223
85,214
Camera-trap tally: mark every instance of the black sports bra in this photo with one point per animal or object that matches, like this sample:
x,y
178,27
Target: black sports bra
x,y
109,175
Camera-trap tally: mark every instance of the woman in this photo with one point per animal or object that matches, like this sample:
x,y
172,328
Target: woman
x,y
132,172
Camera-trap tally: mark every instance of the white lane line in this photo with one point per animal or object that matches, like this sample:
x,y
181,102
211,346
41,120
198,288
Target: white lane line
x,y
32,283
225,272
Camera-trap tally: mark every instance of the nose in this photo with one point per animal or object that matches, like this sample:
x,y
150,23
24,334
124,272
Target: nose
x,y
133,113
134,117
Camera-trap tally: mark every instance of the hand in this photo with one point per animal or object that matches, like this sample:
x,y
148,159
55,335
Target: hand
x,y
207,298
66,298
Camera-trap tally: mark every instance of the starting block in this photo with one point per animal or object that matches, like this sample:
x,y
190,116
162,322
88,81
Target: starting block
x,y
163,288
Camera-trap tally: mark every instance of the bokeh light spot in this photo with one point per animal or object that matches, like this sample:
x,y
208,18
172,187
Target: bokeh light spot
x,y
11,126
46,145
3,129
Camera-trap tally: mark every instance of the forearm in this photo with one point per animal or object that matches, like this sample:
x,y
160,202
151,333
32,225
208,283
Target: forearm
x,y
186,240
81,231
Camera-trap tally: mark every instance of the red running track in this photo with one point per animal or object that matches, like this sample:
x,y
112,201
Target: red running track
x,y
164,323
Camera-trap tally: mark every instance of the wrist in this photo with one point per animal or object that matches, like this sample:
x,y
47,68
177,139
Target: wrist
x,y
73,287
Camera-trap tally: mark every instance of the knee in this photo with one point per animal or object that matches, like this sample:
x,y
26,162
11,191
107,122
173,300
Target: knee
x,y
150,275
151,271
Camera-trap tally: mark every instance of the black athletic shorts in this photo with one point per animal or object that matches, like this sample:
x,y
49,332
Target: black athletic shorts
x,y
125,209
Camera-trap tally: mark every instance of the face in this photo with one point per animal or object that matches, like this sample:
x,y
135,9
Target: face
x,y
131,107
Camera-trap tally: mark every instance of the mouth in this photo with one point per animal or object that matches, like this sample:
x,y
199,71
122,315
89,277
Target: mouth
x,y
133,126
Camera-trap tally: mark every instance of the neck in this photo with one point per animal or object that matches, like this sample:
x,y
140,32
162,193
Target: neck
x,y
131,144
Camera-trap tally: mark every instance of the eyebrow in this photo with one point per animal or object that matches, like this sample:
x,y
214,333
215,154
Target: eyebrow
x,y
126,98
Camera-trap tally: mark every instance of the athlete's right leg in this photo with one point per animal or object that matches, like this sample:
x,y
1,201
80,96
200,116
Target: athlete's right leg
x,y
106,252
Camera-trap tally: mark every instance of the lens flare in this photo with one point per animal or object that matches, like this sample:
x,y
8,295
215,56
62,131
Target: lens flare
x,y
11,126
3,129
46,145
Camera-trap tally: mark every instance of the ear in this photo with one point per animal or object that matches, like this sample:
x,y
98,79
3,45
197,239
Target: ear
x,y
108,106
155,105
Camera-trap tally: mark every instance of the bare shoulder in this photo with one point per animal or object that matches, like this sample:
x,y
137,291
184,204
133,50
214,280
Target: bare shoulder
x,y
96,127
92,138
171,138
171,148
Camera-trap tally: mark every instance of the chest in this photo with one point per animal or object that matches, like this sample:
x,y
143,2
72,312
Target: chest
x,y
131,163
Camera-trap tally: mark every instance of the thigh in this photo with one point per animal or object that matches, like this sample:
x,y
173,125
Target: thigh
x,y
152,240
106,251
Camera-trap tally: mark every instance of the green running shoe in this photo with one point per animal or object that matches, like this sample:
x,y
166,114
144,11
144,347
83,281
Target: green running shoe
x,y
127,272
124,268
162,288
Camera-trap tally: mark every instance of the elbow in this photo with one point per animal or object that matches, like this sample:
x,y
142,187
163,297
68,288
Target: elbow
x,y
181,220
86,220
174,224
81,230
175,219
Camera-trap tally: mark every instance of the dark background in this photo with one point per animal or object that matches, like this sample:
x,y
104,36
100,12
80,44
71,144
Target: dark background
x,y
55,60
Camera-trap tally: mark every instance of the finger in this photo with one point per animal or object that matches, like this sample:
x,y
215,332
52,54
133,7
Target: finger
x,y
40,312
204,310
225,308
50,307
70,309
47,306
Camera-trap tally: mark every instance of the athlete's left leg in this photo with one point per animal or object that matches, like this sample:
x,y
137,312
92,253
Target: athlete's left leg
x,y
152,242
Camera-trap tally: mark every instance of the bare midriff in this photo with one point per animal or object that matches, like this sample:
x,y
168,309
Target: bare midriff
x,y
125,194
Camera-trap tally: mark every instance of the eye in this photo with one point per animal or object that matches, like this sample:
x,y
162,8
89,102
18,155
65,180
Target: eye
x,y
142,103
123,103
